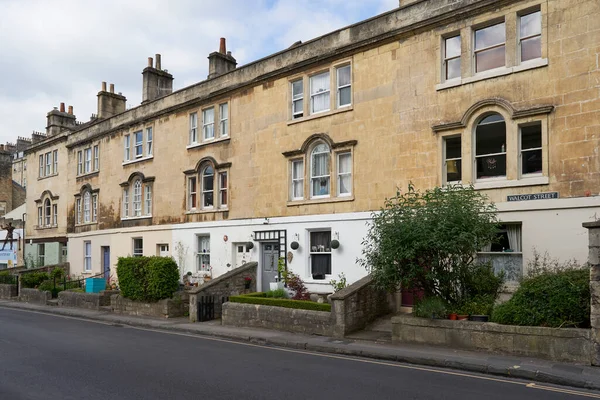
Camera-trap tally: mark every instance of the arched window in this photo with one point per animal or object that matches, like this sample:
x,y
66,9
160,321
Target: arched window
x,y
320,171
47,212
137,198
490,147
86,207
208,185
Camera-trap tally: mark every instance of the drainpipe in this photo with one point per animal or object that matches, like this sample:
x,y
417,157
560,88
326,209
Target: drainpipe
x,y
23,236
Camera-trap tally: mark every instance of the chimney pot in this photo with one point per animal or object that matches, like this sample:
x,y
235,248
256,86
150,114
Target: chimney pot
x,y
71,110
104,86
150,61
222,46
62,107
157,62
112,87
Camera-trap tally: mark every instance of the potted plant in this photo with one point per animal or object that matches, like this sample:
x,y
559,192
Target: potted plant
x,y
208,275
247,282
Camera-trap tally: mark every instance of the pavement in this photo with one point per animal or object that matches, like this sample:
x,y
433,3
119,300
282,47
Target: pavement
x,y
529,369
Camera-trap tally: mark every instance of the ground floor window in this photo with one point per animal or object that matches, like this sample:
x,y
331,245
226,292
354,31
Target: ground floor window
x,y
506,253
203,253
138,247
163,250
87,257
41,254
320,254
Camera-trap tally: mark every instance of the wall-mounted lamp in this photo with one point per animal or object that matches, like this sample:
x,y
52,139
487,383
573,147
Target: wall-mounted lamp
x,y
335,243
266,221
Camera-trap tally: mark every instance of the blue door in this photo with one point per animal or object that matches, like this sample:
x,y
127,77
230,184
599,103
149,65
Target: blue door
x,y
106,262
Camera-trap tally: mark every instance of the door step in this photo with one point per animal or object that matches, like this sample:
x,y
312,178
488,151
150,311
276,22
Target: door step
x,y
53,302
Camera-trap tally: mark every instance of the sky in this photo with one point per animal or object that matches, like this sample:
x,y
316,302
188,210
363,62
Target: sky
x,y
61,50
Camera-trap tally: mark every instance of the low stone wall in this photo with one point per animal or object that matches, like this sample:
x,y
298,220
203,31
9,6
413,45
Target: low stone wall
x,y
358,304
167,308
557,344
7,292
34,296
284,319
91,301
231,283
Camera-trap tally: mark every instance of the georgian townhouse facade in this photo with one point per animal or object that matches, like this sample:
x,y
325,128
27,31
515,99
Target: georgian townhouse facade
x,y
288,156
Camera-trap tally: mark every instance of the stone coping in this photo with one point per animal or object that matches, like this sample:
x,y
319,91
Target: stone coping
x,y
352,289
215,281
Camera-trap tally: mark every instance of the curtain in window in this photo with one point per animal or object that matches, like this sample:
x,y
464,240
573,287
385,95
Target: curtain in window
x,y
320,92
320,170
514,237
320,242
137,198
344,172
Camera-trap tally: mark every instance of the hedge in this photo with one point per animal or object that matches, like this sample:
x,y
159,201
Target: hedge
x,y
147,278
32,280
287,303
7,278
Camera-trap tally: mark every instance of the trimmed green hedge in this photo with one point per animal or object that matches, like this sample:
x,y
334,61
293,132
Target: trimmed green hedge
x,y
287,303
7,278
147,278
32,280
255,294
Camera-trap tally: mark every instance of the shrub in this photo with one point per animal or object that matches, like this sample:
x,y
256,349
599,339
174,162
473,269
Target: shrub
x,y
57,273
287,303
553,299
478,305
277,294
33,279
430,307
339,285
256,294
147,278
7,278
296,284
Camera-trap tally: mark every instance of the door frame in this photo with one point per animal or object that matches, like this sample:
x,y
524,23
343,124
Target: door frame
x,y
261,261
104,251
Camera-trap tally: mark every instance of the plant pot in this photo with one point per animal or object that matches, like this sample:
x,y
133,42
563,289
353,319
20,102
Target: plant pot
x,y
462,317
453,316
479,318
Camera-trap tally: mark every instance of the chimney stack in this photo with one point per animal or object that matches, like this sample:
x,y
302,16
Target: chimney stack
x,y
71,110
59,120
62,107
220,62
109,103
156,82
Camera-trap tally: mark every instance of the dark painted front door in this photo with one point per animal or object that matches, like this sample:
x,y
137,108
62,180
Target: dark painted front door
x,y
270,257
106,262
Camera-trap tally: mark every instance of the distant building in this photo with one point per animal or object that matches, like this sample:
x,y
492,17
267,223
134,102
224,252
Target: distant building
x,y
12,194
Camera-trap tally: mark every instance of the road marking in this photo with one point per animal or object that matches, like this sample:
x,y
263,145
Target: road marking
x,y
530,385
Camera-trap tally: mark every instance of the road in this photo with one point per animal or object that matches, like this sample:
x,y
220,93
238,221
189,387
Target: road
x,y
50,357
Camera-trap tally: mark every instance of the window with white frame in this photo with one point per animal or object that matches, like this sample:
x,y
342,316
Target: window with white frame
x,y
530,36
47,212
149,139
208,123
87,165
95,208
452,159
55,162
147,200
490,49
192,193
208,185
193,128
137,198
344,170
452,57
138,247
87,200
320,254
41,174
505,253
127,148
319,93
490,147
203,253
223,189
40,216
87,256
344,86
224,119
55,214
297,98
78,210
531,149
126,203
41,253
320,171
138,137
79,162
96,158
297,189
48,162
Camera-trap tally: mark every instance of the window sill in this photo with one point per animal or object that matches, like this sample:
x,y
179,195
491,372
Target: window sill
x,y
321,115
208,211
137,160
47,176
516,253
46,227
493,73
86,224
292,203
134,218
208,142
88,175
541,180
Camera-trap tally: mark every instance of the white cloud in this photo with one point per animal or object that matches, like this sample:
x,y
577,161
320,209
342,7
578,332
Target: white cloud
x,y
60,51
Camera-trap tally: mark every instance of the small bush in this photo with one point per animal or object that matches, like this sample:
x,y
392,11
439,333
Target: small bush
x,y
552,299
478,305
277,294
33,279
7,278
287,303
57,273
147,278
431,307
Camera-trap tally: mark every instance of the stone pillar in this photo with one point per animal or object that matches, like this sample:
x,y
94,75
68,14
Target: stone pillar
x,y
594,262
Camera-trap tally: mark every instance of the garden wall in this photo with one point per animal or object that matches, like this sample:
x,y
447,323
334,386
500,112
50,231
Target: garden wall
x,y
558,344
7,292
284,319
231,283
91,301
167,308
355,306
34,296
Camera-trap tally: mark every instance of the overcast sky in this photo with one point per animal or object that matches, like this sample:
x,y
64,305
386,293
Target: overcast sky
x,y
61,50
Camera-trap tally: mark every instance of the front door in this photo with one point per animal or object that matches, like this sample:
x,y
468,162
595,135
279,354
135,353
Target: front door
x,y
106,262
270,257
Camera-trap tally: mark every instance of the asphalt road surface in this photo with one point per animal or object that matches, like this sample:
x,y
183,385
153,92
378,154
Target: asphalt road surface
x,y
50,357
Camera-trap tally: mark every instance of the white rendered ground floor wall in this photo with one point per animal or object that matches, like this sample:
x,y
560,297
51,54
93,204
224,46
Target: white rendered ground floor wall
x,y
552,226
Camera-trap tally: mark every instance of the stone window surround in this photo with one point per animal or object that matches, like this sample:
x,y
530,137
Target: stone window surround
x,y
128,184
53,172
131,133
197,173
79,196
465,128
93,171
218,137
46,195
512,60
304,154
305,76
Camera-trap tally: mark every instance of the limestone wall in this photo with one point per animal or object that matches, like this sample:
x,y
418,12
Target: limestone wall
x,y
92,301
7,292
167,308
34,296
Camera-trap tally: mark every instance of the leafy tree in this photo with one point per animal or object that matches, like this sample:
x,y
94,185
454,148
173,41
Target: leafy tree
x,y
429,240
